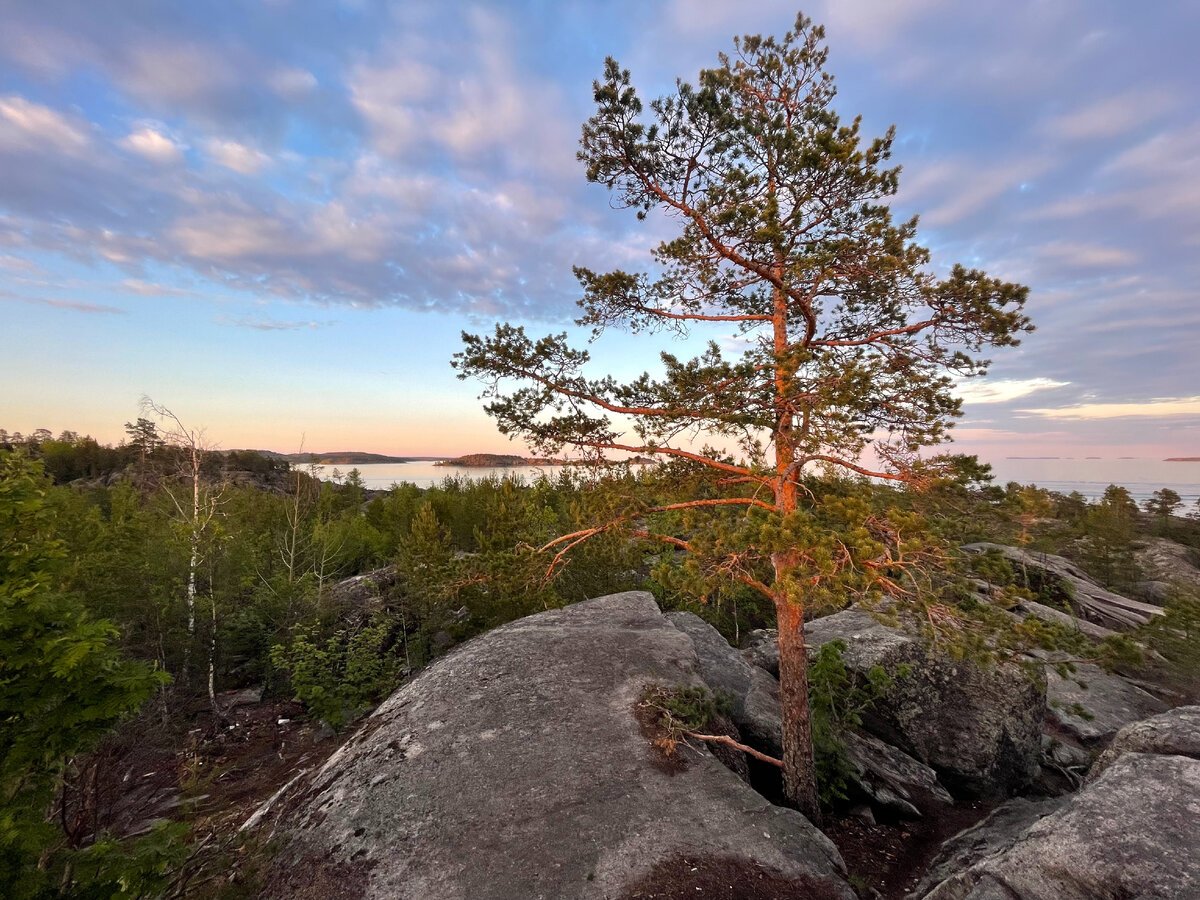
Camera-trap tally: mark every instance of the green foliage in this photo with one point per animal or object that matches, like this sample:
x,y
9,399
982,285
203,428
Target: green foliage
x,y
694,707
342,677
1110,527
992,567
802,198
1162,505
63,682
142,867
838,698
1176,635
674,712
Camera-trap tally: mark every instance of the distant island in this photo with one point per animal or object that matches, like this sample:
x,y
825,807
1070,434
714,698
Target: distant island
x,y
346,458
1182,459
508,460
497,461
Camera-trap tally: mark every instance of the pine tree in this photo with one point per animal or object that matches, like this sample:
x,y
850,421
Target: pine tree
x,y
1162,505
785,238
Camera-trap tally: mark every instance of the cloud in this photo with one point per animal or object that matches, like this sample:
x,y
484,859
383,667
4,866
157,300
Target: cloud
x,y
238,157
12,263
486,112
203,77
149,143
266,324
874,24
1002,390
1171,151
30,126
227,234
1153,179
1081,255
1111,116
1155,408
291,82
150,289
69,305
959,188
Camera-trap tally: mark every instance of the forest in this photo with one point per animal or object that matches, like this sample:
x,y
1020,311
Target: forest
x,y
146,587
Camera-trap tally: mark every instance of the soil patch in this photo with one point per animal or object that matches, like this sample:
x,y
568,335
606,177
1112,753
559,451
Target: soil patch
x,y
669,744
892,858
664,748
196,768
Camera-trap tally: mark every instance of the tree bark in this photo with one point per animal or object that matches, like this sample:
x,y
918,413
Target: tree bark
x,y
799,766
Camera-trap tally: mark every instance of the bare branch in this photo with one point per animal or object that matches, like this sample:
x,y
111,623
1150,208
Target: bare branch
x,y
730,742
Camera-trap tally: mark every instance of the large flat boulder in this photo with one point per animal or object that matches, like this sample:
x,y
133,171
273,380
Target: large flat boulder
x,y
1175,732
1089,706
978,725
1089,599
515,767
996,833
1132,833
1031,608
362,596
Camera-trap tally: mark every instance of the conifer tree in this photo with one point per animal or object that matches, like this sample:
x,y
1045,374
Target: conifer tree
x,y
63,684
1162,505
785,239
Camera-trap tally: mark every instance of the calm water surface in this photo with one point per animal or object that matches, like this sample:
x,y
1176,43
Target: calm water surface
x,y
1088,476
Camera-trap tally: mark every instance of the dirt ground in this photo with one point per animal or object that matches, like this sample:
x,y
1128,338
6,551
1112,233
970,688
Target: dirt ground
x,y
893,857
191,766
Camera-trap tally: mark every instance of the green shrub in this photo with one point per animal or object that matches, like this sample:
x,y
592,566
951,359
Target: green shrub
x,y
339,679
1176,635
64,685
838,697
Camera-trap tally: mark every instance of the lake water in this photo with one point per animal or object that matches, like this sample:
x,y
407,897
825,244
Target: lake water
x,y
1088,476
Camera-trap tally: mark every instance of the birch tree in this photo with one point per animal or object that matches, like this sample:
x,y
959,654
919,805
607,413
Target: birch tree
x,y
196,503
852,342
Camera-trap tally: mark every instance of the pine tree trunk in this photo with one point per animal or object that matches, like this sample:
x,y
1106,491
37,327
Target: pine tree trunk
x,y
799,766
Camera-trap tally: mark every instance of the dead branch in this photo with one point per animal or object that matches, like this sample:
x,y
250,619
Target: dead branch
x,y
730,742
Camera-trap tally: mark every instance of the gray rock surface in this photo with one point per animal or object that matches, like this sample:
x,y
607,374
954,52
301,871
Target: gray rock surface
x,y
754,693
1132,833
1091,601
1166,561
1175,732
1057,616
979,727
761,648
1090,705
364,594
889,778
1002,828
514,767
893,780
1156,592
1066,754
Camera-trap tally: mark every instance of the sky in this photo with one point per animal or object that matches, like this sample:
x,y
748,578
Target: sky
x,y
276,217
